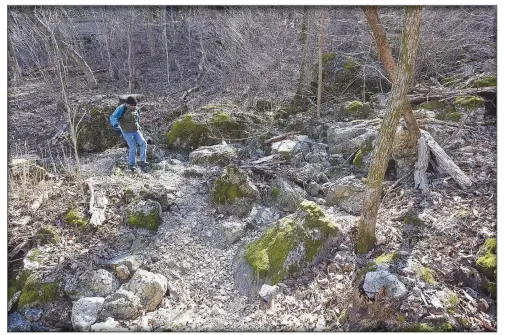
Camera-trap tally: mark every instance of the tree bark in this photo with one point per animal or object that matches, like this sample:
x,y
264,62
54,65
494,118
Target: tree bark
x,y
423,159
90,78
320,78
165,42
396,104
130,55
299,95
150,34
386,56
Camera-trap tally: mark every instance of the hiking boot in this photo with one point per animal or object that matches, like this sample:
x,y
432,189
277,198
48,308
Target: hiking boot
x,y
143,164
133,168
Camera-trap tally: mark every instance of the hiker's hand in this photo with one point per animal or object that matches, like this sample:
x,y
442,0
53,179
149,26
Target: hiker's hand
x,y
117,130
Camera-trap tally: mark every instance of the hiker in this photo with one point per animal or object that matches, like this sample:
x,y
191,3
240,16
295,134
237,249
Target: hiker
x,y
126,120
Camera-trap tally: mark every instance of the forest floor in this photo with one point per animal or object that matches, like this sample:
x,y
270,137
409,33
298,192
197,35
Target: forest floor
x,y
189,250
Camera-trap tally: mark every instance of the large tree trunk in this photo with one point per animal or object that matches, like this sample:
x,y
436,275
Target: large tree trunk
x,y
386,56
150,34
90,78
165,42
131,69
396,104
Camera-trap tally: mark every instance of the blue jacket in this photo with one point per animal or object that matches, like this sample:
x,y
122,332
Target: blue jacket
x,y
114,118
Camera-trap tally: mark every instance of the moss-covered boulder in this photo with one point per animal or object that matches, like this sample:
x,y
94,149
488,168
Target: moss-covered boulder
x,y
144,214
357,110
486,261
96,134
208,125
234,192
220,154
157,192
33,258
285,248
483,81
346,193
35,291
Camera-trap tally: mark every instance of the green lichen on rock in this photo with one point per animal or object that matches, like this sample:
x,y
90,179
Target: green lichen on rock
x,y
177,113
47,234
443,111
365,149
76,219
426,274
432,105
35,292
387,258
304,235
469,102
487,258
187,131
232,185
150,221
484,82
34,255
276,192
351,64
357,109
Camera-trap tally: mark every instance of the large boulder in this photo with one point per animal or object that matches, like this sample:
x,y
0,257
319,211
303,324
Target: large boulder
x,y
149,287
348,137
234,192
144,214
123,305
261,216
285,248
85,312
383,279
288,195
208,126
346,193
96,134
220,154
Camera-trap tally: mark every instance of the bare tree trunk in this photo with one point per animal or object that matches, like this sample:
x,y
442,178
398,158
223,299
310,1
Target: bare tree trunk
x,y
396,104
107,47
320,78
13,61
150,35
130,54
386,56
299,95
90,78
165,41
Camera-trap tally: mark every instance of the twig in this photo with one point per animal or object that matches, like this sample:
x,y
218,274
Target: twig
x,y
280,137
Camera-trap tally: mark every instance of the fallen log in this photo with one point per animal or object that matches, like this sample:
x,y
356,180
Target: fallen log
x,y
445,163
436,95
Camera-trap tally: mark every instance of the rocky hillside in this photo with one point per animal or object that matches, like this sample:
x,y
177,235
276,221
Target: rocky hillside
x,y
246,218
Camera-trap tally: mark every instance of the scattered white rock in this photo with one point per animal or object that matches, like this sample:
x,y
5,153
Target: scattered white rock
x,y
85,312
149,287
267,292
233,230
110,325
376,280
122,272
103,283
123,304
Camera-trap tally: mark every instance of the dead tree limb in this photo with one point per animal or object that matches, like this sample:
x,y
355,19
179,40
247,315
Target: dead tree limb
x,y
280,137
423,158
436,95
445,163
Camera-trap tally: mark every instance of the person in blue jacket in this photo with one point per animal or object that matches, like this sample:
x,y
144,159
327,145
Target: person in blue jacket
x,y
126,120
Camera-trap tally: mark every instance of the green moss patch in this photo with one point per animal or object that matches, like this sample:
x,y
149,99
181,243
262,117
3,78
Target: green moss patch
x,y
46,235
276,192
303,236
365,149
426,274
35,292
484,82
76,219
469,102
185,130
96,133
231,185
487,260
423,327
150,221
413,219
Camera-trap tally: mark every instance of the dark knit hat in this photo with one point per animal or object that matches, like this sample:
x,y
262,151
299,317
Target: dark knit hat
x,y
131,101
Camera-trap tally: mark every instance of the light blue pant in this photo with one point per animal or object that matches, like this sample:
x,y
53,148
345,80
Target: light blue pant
x,y
132,139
